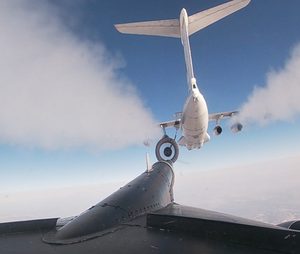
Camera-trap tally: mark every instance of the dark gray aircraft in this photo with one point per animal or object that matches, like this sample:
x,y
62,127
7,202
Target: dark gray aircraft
x,y
142,217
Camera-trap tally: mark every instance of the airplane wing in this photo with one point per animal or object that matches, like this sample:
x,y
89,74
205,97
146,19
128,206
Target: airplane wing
x,y
218,116
173,229
174,123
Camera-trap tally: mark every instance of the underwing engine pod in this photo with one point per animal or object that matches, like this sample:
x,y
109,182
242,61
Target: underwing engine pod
x,y
167,149
237,127
217,130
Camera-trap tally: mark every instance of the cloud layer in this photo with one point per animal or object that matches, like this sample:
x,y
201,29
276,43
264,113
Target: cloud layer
x,y
59,92
266,191
279,99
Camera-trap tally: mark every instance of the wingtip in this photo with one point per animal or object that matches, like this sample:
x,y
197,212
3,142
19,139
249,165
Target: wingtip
x,y
116,27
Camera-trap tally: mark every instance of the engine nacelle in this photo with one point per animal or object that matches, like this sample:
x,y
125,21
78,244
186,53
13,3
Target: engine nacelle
x,y
217,130
237,127
295,225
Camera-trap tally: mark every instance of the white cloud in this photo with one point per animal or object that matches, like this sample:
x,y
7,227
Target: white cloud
x,y
58,92
279,100
53,203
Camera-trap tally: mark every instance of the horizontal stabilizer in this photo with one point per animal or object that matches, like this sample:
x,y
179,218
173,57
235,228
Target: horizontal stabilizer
x,y
205,18
169,28
172,123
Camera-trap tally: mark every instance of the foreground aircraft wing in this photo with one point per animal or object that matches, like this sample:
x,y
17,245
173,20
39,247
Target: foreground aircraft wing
x,y
173,229
218,116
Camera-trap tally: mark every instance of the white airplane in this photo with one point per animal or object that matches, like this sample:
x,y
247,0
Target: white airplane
x,y
194,116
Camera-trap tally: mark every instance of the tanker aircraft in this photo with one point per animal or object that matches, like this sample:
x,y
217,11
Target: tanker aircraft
x,y
194,117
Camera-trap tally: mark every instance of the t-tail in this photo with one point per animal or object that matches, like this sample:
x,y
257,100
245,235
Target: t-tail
x,y
183,28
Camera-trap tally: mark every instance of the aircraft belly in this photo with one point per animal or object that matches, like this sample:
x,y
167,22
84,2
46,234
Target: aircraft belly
x,y
194,122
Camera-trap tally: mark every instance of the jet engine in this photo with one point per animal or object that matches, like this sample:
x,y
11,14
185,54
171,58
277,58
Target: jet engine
x,y
237,127
167,149
217,130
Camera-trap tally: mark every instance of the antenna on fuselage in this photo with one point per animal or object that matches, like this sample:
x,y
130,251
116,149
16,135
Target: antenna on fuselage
x,y
149,167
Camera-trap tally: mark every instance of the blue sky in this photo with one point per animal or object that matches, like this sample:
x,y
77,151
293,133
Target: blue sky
x,y
105,89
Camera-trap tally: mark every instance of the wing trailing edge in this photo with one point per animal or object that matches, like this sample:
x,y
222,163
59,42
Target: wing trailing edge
x,y
205,18
171,27
168,28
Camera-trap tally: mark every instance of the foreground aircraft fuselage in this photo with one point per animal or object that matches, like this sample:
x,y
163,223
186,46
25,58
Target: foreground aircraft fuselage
x,y
141,217
194,116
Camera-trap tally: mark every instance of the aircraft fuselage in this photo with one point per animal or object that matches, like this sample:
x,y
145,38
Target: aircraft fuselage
x,y
194,120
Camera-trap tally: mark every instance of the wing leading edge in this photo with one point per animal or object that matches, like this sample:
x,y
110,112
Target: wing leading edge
x,y
171,27
211,117
221,115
